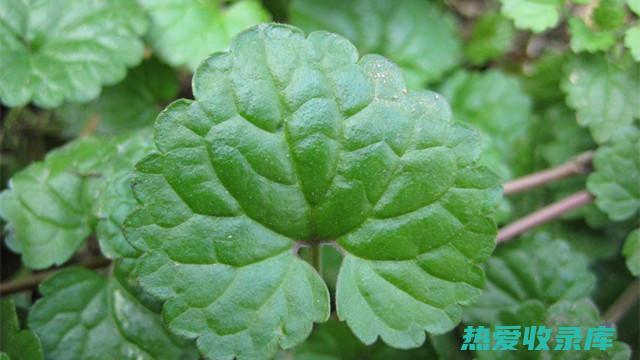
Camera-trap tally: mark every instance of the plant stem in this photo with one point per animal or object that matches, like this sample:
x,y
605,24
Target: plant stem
x,y
316,257
544,215
579,164
623,303
33,280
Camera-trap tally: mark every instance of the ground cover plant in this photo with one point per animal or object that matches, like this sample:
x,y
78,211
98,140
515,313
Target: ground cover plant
x,y
303,179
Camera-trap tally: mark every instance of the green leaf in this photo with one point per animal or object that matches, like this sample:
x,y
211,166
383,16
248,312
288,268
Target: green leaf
x,y
183,33
609,14
496,104
565,138
617,175
585,39
83,315
541,78
535,268
631,251
294,139
16,344
632,41
131,104
533,15
115,199
582,313
50,205
57,50
491,38
417,35
603,93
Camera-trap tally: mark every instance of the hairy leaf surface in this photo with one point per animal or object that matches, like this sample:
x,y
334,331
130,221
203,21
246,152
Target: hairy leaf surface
x,y
15,343
417,35
83,315
295,139
57,50
615,181
184,32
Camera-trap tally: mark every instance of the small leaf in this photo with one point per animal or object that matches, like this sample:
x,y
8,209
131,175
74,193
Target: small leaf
x,y
47,205
494,103
183,33
631,251
131,104
84,315
417,35
536,268
609,14
16,344
533,15
293,138
50,205
603,93
491,38
617,175
632,41
585,39
57,50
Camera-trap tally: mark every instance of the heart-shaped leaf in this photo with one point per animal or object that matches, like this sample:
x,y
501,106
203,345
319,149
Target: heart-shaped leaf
x,y
294,141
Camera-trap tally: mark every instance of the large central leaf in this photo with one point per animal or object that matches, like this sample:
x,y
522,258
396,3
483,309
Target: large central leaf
x,y
292,141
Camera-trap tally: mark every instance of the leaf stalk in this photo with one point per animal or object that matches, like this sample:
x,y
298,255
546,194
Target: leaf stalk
x,y
544,215
580,164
